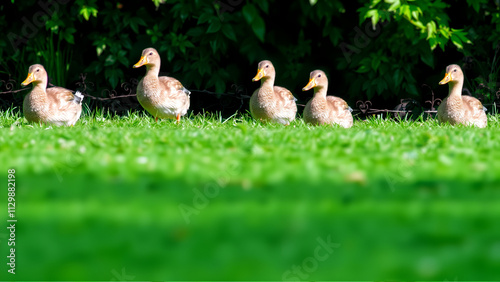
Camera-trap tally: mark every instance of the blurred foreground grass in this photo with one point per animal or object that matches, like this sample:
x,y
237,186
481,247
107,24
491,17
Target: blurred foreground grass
x,y
214,199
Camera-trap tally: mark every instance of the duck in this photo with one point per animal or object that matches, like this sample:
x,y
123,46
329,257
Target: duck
x,y
163,97
53,106
457,108
271,103
323,109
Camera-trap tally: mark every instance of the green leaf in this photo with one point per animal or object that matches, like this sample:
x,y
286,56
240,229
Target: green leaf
x,y
202,66
419,24
100,49
126,42
170,54
476,6
250,13
405,10
381,85
214,26
158,2
259,28
86,12
398,78
188,44
412,89
213,44
205,17
374,15
122,57
228,31
394,6
462,35
414,14
264,6
113,75
363,69
220,86
366,85
134,26
95,66
433,43
375,63
427,58
456,41
255,20
110,60
195,32
69,38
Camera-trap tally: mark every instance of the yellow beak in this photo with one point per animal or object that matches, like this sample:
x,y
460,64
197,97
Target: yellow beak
x,y
29,79
447,78
142,62
259,75
310,84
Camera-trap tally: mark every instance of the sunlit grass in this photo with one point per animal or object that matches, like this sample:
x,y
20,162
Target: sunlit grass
x,y
414,198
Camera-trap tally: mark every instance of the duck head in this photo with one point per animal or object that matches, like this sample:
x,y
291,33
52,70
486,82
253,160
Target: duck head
x,y
149,58
317,79
453,75
265,70
36,74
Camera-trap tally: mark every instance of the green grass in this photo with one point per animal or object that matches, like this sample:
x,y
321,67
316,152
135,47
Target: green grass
x,y
234,199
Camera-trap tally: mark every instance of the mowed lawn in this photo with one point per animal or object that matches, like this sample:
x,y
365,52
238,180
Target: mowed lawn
x,y
233,199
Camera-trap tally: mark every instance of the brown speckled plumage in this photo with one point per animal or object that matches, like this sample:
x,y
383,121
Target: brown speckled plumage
x,y
322,109
162,97
269,102
54,106
459,109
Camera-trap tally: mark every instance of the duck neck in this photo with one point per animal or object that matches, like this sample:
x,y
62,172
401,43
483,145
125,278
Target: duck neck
x,y
153,70
320,92
456,89
267,82
40,88
266,86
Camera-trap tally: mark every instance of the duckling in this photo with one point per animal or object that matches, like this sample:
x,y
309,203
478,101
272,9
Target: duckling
x,y
457,108
322,109
55,105
269,102
162,97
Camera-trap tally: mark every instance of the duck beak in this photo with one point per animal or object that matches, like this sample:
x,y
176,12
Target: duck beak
x,y
29,79
142,62
259,75
447,78
310,84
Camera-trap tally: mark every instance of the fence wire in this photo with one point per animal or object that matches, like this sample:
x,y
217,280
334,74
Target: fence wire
x,y
127,90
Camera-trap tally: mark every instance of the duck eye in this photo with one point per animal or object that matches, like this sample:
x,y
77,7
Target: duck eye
x,y
37,70
267,66
319,75
455,70
150,53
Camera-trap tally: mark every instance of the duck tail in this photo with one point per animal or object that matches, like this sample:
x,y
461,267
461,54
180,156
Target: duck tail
x,y
78,97
186,91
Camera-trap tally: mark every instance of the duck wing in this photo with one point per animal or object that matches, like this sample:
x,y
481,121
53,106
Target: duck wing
x,y
64,106
475,112
337,105
339,111
285,97
173,86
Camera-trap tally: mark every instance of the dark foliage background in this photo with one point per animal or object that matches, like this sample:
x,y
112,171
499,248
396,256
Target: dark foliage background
x,y
378,50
